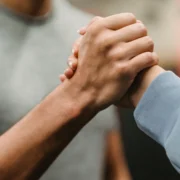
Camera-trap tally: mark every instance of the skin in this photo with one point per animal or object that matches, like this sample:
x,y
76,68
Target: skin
x,y
116,165
116,161
138,88
36,140
134,40
29,8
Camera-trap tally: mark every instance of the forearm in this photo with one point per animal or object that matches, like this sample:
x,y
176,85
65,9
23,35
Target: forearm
x,y
31,146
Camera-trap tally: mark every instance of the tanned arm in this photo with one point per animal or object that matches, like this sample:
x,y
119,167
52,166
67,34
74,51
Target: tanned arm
x,y
27,149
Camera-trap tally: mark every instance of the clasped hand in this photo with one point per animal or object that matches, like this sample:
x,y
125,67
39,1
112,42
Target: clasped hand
x,y
108,56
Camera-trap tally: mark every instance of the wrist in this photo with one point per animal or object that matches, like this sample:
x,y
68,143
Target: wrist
x,y
80,102
142,83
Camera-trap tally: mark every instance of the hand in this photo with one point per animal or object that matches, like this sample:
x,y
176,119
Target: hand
x,y
118,46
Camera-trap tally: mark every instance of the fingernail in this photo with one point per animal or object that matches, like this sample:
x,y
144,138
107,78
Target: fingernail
x,y
61,77
81,30
70,63
78,31
73,51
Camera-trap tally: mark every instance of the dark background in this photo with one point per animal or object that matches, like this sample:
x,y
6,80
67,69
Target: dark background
x,y
147,159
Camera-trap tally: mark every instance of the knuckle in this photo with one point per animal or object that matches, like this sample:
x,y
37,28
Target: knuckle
x,y
95,28
126,73
124,70
107,40
142,28
131,17
92,30
96,18
116,54
150,42
113,56
99,23
100,42
148,56
155,58
104,41
152,58
121,52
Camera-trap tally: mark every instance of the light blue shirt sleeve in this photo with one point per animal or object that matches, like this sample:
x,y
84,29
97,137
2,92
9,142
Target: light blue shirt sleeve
x,y
158,114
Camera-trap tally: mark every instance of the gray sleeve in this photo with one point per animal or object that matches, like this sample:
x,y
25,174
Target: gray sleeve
x,y
158,114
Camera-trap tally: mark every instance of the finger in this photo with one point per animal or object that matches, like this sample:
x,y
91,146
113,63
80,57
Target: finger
x,y
83,30
139,46
75,51
73,63
138,21
119,21
62,77
76,45
68,73
131,33
143,61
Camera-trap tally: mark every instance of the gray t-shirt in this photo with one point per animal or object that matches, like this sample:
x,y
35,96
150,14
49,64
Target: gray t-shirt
x,y
32,55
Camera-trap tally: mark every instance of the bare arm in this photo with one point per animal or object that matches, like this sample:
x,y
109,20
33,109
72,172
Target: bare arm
x,y
31,145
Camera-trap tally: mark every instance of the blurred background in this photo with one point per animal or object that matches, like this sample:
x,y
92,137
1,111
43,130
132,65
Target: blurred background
x,y
146,159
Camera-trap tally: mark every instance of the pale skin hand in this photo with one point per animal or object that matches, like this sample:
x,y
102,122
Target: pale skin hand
x,y
29,148
135,93
120,167
131,44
